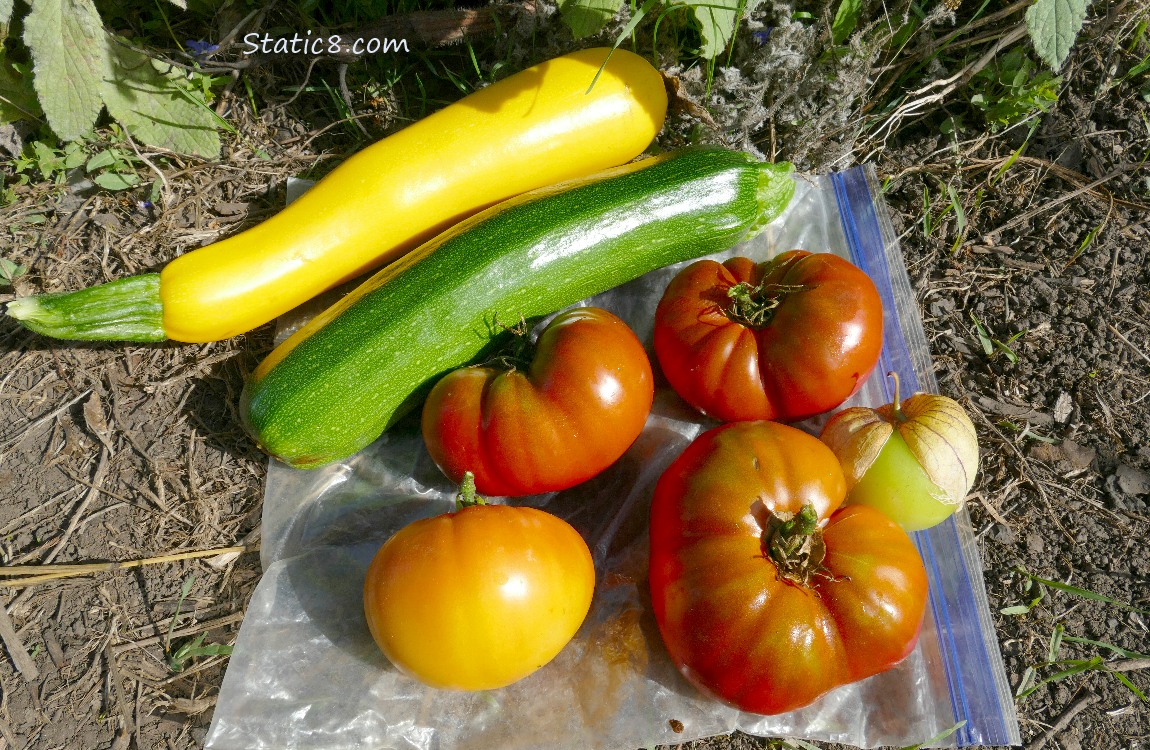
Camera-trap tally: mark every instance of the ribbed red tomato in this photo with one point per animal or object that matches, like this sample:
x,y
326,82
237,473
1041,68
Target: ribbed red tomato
x,y
574,410
766,595
785,340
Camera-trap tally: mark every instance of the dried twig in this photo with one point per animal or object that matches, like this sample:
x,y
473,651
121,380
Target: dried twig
x,y
1051,204
1128,342
1064,720
56,572
196,629
1127,665
936,91
16,648
78,515
15,437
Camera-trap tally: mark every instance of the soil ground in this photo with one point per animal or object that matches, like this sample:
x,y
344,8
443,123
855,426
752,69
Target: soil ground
x,y
1036,305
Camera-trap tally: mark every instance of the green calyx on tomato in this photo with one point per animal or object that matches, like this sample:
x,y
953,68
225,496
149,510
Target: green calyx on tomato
x,y
467,497
793,542
753,305
782,340
556,415
519,351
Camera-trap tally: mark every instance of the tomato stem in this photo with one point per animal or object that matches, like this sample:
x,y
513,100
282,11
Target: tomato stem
x,y
466,497
795,545
519,351
754,306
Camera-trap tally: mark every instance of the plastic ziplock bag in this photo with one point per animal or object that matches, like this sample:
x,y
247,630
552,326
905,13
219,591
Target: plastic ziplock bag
x,y
306,675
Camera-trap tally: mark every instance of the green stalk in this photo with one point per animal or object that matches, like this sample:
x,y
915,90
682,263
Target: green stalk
x,y
467,497
776,188
124,310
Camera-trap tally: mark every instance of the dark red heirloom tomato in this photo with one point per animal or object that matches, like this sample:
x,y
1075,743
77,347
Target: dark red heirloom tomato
x,y
767,595
785,340
581,402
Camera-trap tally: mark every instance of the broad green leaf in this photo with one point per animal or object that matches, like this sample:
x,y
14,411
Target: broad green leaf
x,y
103,159
17,97
10,271
717,20
1053,27
65,38
846,18
585,17
116,181
153,106
74,156
48,160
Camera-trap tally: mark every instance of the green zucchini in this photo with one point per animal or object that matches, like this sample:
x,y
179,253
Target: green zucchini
x,y
340,381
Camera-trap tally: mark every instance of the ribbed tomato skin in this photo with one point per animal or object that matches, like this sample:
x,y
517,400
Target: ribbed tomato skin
x,y
578,406
735,627
816,348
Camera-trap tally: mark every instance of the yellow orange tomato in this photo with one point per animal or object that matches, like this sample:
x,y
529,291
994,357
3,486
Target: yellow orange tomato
x,y
479,598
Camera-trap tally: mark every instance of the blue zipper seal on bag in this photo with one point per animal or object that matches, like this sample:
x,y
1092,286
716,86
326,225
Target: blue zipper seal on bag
x,y
976,677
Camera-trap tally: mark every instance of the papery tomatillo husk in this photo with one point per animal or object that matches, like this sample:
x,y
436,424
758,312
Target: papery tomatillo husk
x,y
936,430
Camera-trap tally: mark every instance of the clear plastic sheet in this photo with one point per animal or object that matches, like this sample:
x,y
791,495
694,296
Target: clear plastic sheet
x,y
305,674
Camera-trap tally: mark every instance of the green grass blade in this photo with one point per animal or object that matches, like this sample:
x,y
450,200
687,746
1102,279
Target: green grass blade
x,y
1118,650
1055,643
1133,688
1084,593
1077,667
938,737
626,32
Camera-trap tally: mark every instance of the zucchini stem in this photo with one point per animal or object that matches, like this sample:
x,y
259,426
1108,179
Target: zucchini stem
x,y
123,310
776,188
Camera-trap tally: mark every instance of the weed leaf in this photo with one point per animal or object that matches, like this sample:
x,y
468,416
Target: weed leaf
x,y
65,38
802,744
1017,609
846,18
103,159
1077,666
152,105
1053,27
10,271
585,17
1123,652
115,180
717,19
1084,593
938,737
17,97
